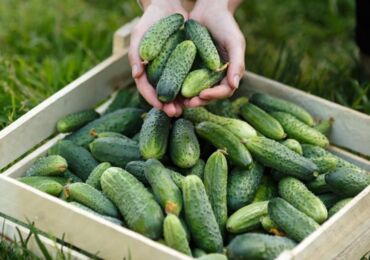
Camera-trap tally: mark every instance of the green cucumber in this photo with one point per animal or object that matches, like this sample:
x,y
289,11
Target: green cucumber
x,y
266,190
329,199
325,163
137,169
76,120
324,126
175,71
237,104
121,100
177,178
318,185
296,193
247,218
185,227
109,134
50,185
48,166
197,169
154,134
222,107
293,145
270,226
175,235
293,222
71,176
270,104
338,206
94,178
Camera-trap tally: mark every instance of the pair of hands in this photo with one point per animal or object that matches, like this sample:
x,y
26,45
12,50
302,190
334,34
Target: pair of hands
x,y
218,17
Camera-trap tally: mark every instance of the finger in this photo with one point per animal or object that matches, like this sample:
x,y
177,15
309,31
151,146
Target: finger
x,y
147,91
133,54
195,102
170,109
218,92
236,51
178,109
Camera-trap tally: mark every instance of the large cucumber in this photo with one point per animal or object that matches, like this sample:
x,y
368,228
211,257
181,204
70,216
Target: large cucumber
x,y
76,120
266,190
121,100
94,178
338,206
50,185
175,235
48,166
137,169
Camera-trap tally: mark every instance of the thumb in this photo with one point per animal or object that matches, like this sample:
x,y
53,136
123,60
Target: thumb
x,y
236,52
134,58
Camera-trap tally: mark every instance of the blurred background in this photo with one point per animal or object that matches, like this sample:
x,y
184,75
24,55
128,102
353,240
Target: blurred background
x,y
45,44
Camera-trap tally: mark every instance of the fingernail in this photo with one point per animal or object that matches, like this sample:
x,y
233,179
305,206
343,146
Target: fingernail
x,y
135,70
236,81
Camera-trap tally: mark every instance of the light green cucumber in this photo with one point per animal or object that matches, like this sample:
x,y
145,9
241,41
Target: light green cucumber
x,y
325,163
52,165
76,120
50,185
293,145
338,206
238,103
175,235
94,177
270,226
325,126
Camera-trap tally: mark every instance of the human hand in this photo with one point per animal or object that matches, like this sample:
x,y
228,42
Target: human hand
x,y
154,10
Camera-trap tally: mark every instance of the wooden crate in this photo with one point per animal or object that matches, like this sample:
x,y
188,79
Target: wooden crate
x,y
346,235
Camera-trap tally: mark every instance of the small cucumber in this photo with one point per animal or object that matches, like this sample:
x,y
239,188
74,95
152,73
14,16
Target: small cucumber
x,y
293,145
325,163
137,169
48,166
338,206
175,235
318,185
266,190
121,100
329,199
94,178
76,120
270,226
50,185
324,126
197,169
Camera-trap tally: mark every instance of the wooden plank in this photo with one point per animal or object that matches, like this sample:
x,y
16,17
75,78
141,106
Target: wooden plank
x,y
121,38
359,161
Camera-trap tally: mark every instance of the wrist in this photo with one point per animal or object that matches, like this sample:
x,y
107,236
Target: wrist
x,y
230,5
163,4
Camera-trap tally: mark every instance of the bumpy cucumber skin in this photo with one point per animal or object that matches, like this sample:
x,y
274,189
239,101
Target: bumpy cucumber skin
x,y
215,183
318,185
156,67
50,185
325,163
116,151
154,134
222,107
262,121
329,199
199,80
324,126
347,182
137,205
126,121
281,158
293,145
184,145
197,169
258,246
48,166
270,104
224,139
76,120
121,100
137,169
91,197
155,38
94,178
293,222
202,39
266,190
80,161
164,188
300,131
297,194
338,206
199,216
174,74
175,235
242,186
247,218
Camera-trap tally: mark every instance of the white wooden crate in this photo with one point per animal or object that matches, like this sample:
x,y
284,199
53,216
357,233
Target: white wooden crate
x,y
346,235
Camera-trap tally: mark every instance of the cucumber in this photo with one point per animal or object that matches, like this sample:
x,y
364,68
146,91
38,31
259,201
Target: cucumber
x,y
115,150
197,169
270,226
325,163
266,190
338,206
50,185
156,37
324,126
71,176
258,246
347,181
184,145
185,227
199,216
262,122
94,178
175,71
197,252
214,256
121,100
90,197
296,193
270,104
154,134
243,185
199,80
237,104
109,134
277,156
293,222
137,169
205,46
318,185
137,205
293,145
80,161
222,107
164,189
48,166
155,68
126,121
76,120
224,139
175,235
300,131
215,183
176,177
247,218
329,199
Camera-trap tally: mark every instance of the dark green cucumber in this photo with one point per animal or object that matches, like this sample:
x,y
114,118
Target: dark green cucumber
x,y
116,151
329,199
338,206
174,74
293,145
205,46
94,178
266,190
281,158
300,131
175,235
76,120
324,126
242,186
154,134
224,139
215,183
347,181
137,169
325,163
156,67
296,193
71,176
258,246
199,216
121,100
184,145
270,104
197,169
247,218
50,185
155,38
126,121
48,166
80,161
318,185
270,226
222,107
165,190
137,205
262,121
90,197
293,222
